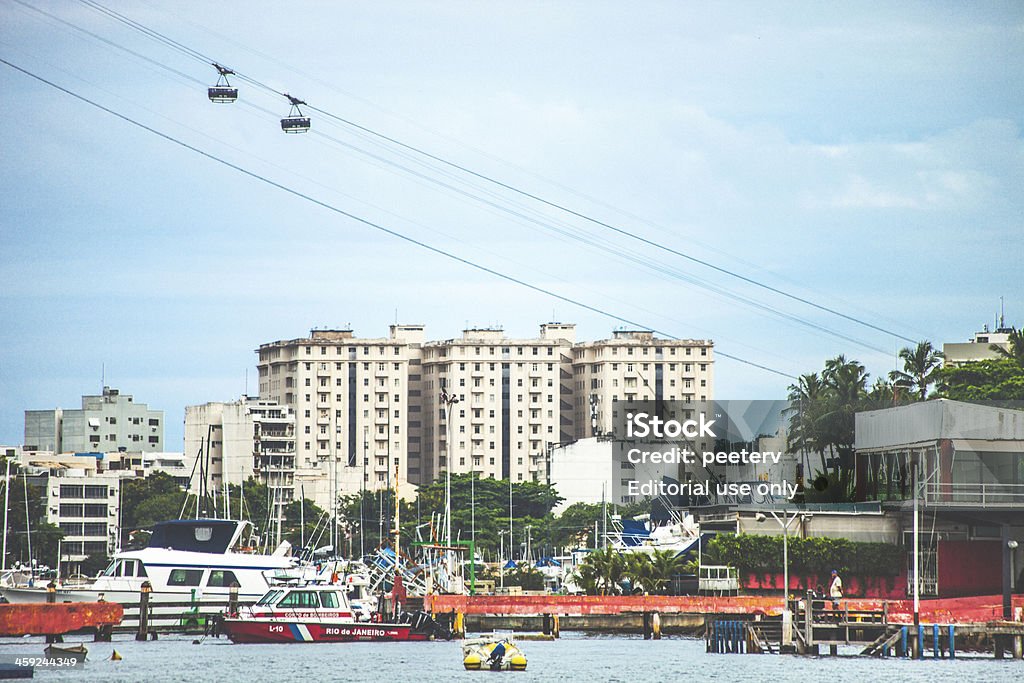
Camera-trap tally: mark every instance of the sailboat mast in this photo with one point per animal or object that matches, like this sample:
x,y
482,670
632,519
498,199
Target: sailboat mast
x,y
28,521
396,532
7,505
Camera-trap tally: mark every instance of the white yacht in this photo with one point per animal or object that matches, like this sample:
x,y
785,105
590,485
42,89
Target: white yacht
x,y
203,555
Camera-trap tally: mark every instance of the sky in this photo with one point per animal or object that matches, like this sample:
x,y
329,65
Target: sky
x,y
865,157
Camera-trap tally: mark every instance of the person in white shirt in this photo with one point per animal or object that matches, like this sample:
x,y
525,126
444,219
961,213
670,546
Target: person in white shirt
x,y
835,589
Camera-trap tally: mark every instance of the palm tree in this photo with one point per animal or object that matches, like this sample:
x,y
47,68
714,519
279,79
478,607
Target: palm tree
x,y
665,564
1016,350
607,568
920,369
882,394
806,401
639,572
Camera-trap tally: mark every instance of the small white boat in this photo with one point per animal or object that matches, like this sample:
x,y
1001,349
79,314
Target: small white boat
x,y
66,653
492,653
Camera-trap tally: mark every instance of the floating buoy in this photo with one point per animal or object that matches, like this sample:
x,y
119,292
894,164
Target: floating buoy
x,y
115,656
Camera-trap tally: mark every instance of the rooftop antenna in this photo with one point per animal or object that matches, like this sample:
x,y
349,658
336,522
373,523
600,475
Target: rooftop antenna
x,y
246,394
1002,322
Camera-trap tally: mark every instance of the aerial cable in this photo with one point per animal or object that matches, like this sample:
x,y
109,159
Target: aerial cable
x,y
371,224
152,33
616,251
299,124
621,231
295,122
657,245
111,43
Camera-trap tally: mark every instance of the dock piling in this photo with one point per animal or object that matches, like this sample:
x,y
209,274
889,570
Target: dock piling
x,y
233,599
143,633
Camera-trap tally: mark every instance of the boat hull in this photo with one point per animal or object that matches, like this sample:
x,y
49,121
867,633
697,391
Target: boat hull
x,y
268,631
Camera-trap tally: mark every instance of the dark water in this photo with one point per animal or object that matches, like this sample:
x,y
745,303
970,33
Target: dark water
x,y
574,657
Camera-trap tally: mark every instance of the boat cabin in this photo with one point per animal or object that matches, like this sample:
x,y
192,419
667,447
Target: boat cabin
x,y
203,535
288,602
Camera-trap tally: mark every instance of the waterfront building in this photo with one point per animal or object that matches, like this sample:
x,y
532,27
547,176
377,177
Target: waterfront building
x,y
366,406
110,421
970,464
240,439
358,413
589,471
514,402
633,366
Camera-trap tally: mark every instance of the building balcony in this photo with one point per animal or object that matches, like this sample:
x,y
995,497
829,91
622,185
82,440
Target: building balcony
x,y
980,495
269,435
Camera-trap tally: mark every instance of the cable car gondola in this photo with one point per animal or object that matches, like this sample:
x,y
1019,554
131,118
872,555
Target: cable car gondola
x,y
223,92
295,122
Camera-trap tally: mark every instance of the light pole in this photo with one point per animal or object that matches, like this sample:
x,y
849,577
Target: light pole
x,y
759,517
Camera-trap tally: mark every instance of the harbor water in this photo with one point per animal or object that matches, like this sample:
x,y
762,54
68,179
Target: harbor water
x,y
575,657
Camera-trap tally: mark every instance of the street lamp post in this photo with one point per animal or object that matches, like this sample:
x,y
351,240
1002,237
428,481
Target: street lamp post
x,y
784,523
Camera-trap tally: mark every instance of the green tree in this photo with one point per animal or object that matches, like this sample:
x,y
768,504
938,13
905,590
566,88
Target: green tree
x,y
921,365
822,415
985,380
604,570
1016,350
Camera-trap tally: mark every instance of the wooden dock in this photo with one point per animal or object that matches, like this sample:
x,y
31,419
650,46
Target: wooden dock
x,y
813,625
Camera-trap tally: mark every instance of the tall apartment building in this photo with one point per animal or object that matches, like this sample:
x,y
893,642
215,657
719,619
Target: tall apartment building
x,y
366,406
239,439
635,366
109,422
357,407
514,401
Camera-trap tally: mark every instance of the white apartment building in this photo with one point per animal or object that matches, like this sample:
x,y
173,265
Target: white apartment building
x,y
239,439
364,406
514,401
109,422
87,509
635,366
358,414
